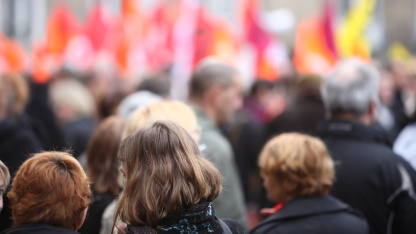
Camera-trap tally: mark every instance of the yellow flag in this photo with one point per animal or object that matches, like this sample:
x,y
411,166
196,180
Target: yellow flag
x,y
350,36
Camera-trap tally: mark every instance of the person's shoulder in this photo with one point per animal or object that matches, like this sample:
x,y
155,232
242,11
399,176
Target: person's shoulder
x,y
38,229
235,227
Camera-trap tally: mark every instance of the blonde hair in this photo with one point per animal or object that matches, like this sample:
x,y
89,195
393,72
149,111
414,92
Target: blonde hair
x,y
4,172
300,163
166,174
174,111
75,95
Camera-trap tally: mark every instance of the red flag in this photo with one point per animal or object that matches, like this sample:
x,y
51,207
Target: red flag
x,y
267,67
98,25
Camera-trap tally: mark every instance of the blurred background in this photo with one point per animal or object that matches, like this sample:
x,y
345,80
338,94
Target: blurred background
x,y
262,38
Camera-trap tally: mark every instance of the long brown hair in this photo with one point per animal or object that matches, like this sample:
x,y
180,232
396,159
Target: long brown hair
x,y
102,161
165,174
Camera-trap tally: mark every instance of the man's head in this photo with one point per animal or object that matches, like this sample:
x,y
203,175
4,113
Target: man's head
x,y
351,90
50,188
216,89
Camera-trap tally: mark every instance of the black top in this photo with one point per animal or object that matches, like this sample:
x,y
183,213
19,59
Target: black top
x,y
314,215
370,177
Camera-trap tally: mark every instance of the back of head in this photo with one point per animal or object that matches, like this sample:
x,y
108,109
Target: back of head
x,y
300,163
135,101
102,162
50,188
174,111
165,174
72,94
158,85
208,74
16,91
350,88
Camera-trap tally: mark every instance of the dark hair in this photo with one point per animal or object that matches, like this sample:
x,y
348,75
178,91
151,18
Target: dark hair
x,y
209,74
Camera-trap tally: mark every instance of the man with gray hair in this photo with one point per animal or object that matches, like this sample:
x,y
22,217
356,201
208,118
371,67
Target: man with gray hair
x,y
370,177
215,94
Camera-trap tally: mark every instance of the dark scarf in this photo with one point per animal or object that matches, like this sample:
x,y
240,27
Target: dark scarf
x,y
198,219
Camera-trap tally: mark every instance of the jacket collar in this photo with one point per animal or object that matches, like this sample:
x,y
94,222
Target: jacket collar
x,y
308,206
345,130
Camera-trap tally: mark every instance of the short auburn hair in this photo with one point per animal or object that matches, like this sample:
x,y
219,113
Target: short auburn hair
x,y
166,174
300,163
50,188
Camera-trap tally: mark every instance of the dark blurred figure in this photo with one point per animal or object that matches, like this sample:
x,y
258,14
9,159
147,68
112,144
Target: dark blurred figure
x,y
305,111
75,109
370,177
247,132
157,84
400,74
43,118
102,169
17,138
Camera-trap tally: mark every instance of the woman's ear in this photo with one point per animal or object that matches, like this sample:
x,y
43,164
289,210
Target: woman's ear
x,y
82,219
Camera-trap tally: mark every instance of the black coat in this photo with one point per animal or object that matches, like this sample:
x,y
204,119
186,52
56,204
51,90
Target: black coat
x,y
17,143
38,229
370,177
314,215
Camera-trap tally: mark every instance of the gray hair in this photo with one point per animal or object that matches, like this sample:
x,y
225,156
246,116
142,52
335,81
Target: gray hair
x,y
351,87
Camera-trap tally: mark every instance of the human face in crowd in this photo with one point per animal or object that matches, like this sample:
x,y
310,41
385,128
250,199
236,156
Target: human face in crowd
x,y
230,100
123,170
274,190
2,191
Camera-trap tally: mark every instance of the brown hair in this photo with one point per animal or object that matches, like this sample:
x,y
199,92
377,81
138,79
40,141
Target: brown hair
x,y
300,163
174,111
208,74
102,162
50,188
165,174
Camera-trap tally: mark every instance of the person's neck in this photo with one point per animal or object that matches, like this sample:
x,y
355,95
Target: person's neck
x,y
206,108
350,117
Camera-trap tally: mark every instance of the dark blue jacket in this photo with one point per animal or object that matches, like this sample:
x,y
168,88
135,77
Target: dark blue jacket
x,y
314,215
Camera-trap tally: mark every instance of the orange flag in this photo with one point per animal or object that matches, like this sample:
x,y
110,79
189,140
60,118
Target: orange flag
x,y
311,52
61,27
13,57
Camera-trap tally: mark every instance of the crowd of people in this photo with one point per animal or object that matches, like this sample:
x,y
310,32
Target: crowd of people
x,y
93,154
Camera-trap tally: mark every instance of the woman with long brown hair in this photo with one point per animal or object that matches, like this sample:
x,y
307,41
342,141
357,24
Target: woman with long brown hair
x,y
169,185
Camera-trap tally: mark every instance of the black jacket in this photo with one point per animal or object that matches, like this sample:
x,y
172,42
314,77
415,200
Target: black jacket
x,y
370,177
38,229
17,143
314,215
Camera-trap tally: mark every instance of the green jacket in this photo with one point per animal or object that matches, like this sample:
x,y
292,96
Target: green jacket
x,y
215,147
